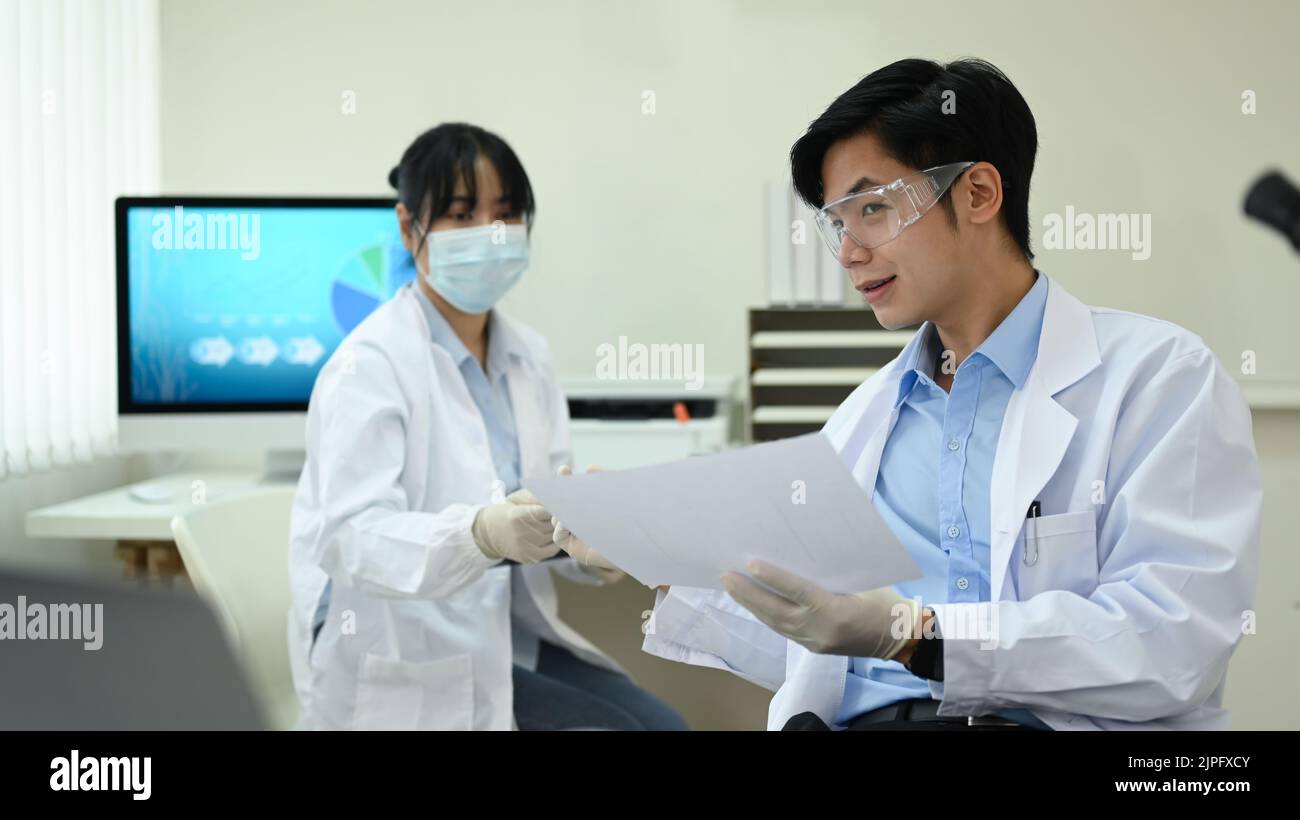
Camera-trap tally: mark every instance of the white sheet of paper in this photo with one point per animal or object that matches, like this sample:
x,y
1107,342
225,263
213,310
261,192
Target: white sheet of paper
x,y
791,502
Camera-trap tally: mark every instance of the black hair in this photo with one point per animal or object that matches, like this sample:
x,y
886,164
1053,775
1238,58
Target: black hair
x,y
444,155
906,105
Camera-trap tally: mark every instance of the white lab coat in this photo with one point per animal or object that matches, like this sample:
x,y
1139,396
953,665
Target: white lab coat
x,y
1138,444
418,634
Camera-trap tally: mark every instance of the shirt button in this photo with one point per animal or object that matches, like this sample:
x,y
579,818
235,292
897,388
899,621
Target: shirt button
x,y
953,532
962,583
954,444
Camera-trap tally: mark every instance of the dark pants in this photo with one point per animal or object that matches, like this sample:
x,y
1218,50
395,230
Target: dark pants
x,y
871,722
566,692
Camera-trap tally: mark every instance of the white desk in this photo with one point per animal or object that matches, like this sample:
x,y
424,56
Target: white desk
x,y
141,531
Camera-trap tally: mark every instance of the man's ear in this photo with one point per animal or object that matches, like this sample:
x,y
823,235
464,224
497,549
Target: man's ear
x,y
979,193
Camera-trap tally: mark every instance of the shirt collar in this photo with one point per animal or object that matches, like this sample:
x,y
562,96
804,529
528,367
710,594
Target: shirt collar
x,y
920,363
502,344
1012,346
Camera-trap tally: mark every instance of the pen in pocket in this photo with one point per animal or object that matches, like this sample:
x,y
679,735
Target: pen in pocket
x,y
1031,537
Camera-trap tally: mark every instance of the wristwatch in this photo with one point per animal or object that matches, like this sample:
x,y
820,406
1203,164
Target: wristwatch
x,y
927,658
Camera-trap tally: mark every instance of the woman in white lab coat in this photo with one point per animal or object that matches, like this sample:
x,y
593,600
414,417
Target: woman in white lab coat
x,y
421,573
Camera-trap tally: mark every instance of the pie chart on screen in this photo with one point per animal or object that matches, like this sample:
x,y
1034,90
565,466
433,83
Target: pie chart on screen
x,y
361,286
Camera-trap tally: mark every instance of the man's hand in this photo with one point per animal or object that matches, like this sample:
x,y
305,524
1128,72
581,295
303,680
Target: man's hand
x,y
875,624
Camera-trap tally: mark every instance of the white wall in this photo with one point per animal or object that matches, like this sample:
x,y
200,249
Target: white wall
x,y
651,226
19,494
1261,681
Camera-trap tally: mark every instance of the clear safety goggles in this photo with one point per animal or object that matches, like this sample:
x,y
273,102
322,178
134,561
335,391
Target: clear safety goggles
x,y
878,215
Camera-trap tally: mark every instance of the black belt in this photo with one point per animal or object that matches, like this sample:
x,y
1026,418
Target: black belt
x,y
926,710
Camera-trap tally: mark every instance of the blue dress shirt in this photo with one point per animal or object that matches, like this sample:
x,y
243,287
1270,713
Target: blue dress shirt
x,y
933,484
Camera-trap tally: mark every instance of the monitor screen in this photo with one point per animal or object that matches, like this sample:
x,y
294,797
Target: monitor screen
x,y
236,303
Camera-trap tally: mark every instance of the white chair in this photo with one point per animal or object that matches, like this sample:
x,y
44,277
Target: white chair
x,y
237,556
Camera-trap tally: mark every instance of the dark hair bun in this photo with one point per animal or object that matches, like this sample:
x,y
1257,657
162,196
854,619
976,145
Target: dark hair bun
x,y
393,175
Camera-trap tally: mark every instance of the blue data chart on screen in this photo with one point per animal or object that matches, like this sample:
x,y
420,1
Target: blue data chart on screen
x,y
234,305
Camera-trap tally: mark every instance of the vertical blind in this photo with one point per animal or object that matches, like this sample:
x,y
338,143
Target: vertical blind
x,y
79,126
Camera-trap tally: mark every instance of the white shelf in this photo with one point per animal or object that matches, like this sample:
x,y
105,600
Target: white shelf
x,y
711,387
805,376
792,414
770,339
1270,395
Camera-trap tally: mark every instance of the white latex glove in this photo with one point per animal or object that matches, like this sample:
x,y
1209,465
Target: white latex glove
x,y
591,562
860,625
518,529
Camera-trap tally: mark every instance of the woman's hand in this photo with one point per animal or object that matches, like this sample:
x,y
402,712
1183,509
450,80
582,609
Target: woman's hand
x,y
519,529
592,562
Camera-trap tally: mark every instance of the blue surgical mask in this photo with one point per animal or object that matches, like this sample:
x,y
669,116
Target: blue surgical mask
x,y
472,268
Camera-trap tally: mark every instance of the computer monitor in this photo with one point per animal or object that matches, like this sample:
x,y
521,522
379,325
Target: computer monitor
x,y
227,307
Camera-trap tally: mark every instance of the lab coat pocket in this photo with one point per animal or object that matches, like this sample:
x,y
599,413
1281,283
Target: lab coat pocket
x,y
1059,552
423,695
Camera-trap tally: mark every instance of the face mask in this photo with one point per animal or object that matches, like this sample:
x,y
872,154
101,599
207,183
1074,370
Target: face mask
x,y
472,268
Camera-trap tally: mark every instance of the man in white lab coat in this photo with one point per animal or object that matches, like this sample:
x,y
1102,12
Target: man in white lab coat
x,y
1079,485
